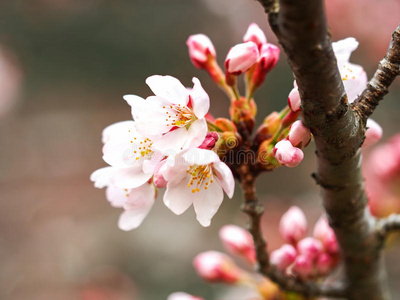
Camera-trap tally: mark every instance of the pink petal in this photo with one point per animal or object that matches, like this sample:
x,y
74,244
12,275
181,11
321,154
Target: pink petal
x,y
200,99
102,177
178,197
196,134
225,178
172,141
197,156
116,196
132,177
207,202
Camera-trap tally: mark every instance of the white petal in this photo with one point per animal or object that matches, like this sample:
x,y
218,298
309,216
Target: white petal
x,y
198,156
356,82
225,178
137,207
132,177
178,197
196,134
102,177
169,88
117,129
149,165
136,103
172,141
119,153
116,196
343,49
200,99
207,202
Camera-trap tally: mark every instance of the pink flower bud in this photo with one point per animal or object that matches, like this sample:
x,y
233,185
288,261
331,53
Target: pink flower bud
x,y
303,266
293,225
201,50
255,34
182,296
310,247
158,178
324,233
283,257
325,264
209,141
373,133
217,267
238,241
241,58
269,56
299,135
287,155
294,100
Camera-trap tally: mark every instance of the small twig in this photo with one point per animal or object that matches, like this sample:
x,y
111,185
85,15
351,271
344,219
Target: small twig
x,y
378,86
255,210
270,6
388,225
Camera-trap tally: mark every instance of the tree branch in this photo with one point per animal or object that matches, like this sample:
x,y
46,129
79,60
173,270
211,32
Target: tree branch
x,y
377,87
388,225
254,210
338,133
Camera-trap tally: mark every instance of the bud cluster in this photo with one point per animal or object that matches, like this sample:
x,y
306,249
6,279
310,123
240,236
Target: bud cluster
x,y
305,257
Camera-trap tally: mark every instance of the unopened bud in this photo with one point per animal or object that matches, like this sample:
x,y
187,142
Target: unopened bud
x,y
255,34
303,266
324,264
299,135
373,133
214,266
242,113
241,58
183,296
283,257
294,100
293,225
209,141
324,233
269,290
238,241
310,247
201,50
265,156
225,124
287,155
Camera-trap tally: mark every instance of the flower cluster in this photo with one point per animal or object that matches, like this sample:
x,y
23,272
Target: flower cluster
x,y
305,257
167,145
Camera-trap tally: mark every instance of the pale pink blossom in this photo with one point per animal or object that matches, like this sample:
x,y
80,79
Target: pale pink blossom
x,y
299,135
217,267
269,56
310,247
324,233
132,154
293,225
136,202
283,257
303,266
241,57
286,154
182,296
198,177
294,100
353,76
158,177
238,241
175,116
373,133
201,50
255,34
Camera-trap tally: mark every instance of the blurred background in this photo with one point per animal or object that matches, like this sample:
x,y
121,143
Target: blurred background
x,y
64,67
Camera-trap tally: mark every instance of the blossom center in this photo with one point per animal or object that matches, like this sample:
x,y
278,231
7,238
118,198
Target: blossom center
x,y
200,177
178,115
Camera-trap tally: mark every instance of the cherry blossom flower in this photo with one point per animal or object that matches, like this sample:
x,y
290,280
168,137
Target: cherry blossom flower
x,y
175,116
293,225
373,133
353,76
283,257
255,34
299,135
241,57
286,154
136,202
133,155
198,177
238,241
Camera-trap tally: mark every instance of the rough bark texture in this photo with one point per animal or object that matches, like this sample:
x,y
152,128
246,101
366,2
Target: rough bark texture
x,y
377,87
338,132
